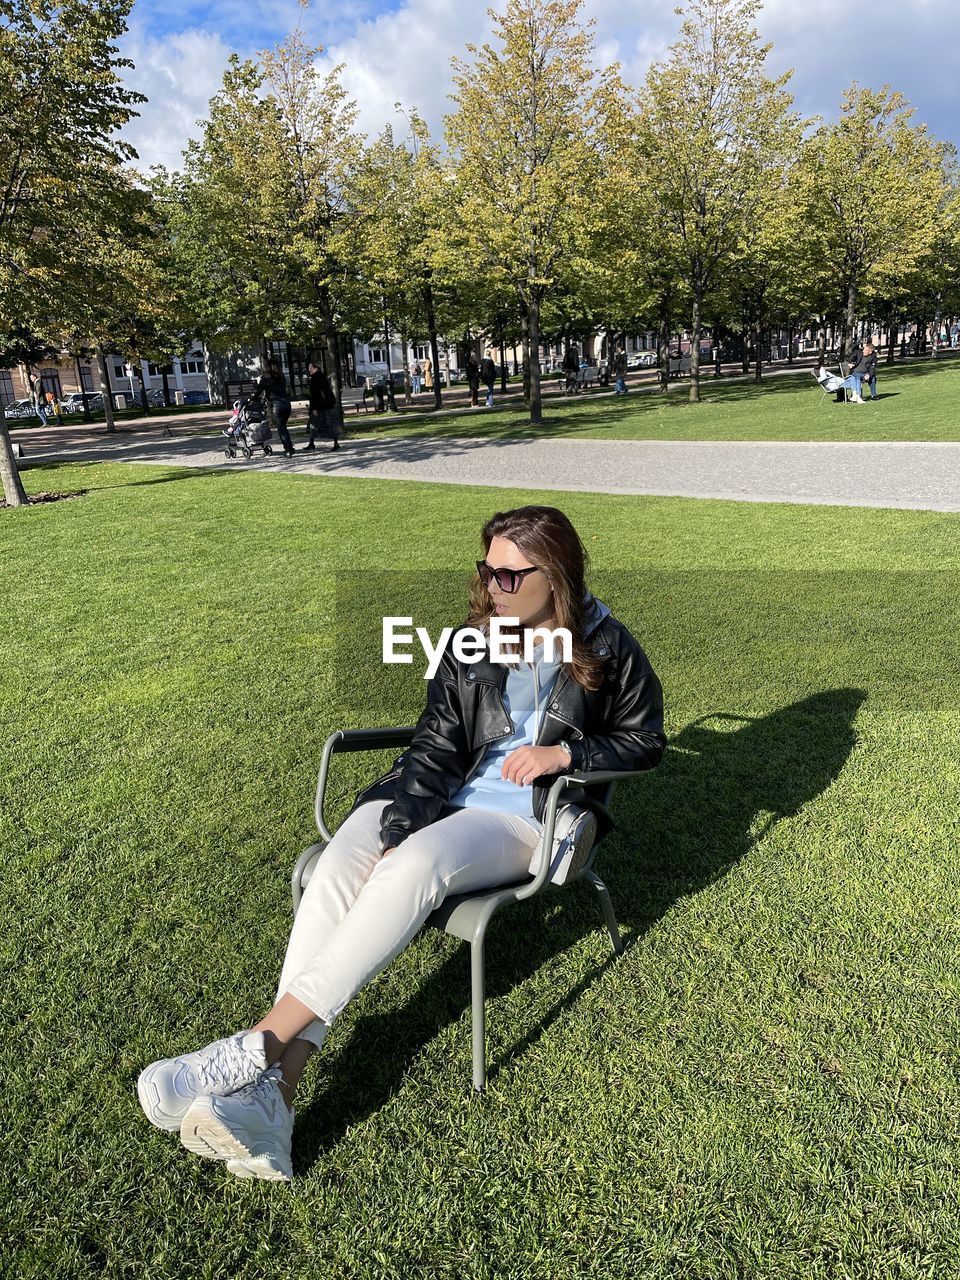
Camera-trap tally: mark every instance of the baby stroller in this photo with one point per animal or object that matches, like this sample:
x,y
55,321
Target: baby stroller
x,y
248,429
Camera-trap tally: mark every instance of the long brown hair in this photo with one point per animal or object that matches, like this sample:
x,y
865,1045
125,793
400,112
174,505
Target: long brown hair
x,y
547,539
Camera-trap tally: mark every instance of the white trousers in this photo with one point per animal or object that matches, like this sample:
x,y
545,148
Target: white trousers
x,y
360,910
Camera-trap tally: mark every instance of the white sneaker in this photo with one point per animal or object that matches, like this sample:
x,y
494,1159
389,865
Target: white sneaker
x,y
168,1087
252,1128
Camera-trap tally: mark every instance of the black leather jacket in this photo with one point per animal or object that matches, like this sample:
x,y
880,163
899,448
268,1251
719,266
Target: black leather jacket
x,y
619,726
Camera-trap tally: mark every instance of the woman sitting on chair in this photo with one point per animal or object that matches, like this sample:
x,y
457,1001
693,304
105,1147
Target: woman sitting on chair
x,y
460,811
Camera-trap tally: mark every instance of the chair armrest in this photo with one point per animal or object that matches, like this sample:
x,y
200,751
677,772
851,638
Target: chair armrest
x,y
371,739
586,777
353,740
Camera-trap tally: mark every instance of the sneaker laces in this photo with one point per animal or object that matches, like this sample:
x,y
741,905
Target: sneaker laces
x,y
263,1085
229,1061
264,1090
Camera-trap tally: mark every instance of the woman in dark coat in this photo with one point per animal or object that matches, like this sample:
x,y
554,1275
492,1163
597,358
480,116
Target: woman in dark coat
x,y
274,386
324,411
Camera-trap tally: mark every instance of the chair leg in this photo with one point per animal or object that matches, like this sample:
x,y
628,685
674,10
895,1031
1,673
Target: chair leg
x,y
479,1012
608,914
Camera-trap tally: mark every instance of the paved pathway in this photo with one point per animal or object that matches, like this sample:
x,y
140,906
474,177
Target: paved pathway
x,y
920,476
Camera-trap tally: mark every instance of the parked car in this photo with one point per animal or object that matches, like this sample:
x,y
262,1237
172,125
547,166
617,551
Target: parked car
x,y
196,397
20,409
642,360
154,398
73,402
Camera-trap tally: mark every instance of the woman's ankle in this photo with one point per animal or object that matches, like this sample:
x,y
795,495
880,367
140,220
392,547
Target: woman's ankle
x,y
273,1046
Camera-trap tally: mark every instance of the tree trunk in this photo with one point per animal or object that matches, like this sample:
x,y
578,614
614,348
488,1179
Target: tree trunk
x,y
434,345
536,400
791,333
822,345
849,319
105,390
407,385
267,400
87,416
525,349
13,490
166,386
695,343
758,365
891,341
663,348
503,365
143,388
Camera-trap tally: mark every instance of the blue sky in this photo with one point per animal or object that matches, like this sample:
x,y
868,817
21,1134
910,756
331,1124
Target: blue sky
x,y
401,49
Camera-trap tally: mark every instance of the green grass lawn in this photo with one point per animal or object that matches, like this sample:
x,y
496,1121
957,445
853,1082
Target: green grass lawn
x,y
916,402
764,1085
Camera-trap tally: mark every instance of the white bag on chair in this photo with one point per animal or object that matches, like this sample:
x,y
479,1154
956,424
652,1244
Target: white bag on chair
x,y
574,833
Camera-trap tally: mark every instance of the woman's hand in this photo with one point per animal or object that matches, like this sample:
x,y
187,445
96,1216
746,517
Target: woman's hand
x,y
526,763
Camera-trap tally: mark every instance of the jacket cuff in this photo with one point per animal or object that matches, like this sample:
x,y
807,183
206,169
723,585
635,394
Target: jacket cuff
x,y
578,755
391,838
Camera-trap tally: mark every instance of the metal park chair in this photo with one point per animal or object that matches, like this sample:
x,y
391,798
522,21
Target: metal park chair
x,y
467,915
829,383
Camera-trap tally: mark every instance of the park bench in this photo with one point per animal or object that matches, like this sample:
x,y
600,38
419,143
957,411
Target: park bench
x,y
467,915
354,398
677,366
585,377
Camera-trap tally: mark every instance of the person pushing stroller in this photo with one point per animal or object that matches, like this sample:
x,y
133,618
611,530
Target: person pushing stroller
x,y
274,386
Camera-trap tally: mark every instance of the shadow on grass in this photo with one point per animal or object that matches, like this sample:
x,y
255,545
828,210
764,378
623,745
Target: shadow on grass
x,y
173,478
680,829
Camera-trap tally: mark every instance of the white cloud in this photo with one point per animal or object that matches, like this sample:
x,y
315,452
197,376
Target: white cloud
x,y
405,56
179,75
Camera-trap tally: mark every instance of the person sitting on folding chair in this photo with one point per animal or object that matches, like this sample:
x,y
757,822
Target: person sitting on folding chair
x,y
460,811
831,382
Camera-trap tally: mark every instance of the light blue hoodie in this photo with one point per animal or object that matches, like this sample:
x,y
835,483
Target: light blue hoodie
x,y
525,696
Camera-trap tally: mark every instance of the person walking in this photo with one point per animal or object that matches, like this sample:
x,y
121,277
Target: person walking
x,y
488,375
620,370
461,810
324,412
417,377
472,370
39,402
274,387
570,366
428,374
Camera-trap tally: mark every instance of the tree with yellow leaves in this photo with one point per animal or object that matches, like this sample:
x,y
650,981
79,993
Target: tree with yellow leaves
x,y
528,113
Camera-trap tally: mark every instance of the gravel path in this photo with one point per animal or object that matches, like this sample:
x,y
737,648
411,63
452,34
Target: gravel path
x,y
908,475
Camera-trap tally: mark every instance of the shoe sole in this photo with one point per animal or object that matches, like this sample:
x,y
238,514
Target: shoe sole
x,y
206,1135
158,1118
258,1167
583,844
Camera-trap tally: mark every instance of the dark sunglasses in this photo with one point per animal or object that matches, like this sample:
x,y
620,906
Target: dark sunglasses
x,y
508,580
